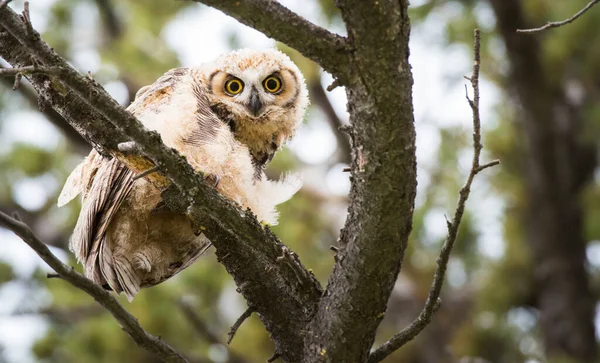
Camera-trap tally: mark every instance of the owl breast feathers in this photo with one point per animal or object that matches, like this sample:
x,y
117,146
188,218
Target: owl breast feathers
x,y
228,118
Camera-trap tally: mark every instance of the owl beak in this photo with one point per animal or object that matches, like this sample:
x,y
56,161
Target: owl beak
x,y
255,105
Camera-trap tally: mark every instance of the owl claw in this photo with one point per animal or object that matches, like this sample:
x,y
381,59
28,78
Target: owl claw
x,y
128,148
213,178
142,262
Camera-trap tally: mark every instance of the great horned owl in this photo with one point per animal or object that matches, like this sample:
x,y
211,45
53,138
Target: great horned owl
x,y
228,118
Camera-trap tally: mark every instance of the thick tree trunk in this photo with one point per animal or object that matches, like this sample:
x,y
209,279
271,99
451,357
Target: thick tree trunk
x,y
559,165
375,236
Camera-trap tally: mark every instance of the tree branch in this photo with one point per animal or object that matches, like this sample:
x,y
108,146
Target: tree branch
x,y
205,332
433,299
278,22
381,200
127,321
319,97
237,324
556,24
110,19
81,146
248,250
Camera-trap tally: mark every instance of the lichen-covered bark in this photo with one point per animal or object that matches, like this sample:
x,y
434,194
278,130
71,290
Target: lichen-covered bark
x,y
375,235
559,164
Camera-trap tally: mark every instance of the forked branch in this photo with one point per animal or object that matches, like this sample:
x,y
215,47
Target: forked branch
x,y
433,299
248,250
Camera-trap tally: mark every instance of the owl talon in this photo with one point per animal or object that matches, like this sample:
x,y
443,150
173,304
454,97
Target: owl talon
x,y
128,148
141,262
213,178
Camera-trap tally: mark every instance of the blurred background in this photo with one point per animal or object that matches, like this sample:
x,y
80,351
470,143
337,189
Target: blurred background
x,y
526,268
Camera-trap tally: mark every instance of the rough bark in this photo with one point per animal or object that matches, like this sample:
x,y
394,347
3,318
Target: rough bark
x,y
373,64
249,251
278,22
559,164
375,235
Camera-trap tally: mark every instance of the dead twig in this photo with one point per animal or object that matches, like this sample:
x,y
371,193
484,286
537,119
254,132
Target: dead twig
x,y
30,96
145,173
17,81
27,19
433,299
127,321
556,24
319,97
273,358
238,323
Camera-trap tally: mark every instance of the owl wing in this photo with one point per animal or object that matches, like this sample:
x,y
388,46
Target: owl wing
x,y
104,185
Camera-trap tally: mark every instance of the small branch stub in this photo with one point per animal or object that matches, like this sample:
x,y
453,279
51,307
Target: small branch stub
x,y
238,323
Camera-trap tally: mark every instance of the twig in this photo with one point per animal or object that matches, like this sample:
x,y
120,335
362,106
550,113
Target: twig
x,y
238,323
335,84
31,97
16,216
205,332
50,275
17,81
556,24
127,321
27,18
319,97
145,173
433,299
273,358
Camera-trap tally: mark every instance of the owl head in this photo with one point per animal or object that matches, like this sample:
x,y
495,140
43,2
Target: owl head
x,y
261,93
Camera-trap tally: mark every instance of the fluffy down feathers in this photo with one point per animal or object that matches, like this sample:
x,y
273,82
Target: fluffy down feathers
x,y
123,237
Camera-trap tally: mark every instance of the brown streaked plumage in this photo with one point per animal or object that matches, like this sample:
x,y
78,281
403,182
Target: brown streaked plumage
x,y
228,118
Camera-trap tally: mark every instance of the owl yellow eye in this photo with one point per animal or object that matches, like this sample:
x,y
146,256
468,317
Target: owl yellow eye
x,y
234,86
272,84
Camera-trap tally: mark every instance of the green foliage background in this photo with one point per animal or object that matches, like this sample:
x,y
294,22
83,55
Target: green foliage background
x,y
487,313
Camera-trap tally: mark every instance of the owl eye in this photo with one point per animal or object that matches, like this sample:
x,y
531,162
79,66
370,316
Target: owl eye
x,y
234,86
272,84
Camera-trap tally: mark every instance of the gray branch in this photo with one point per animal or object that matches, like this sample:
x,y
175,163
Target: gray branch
x,y
248,250
383,172
127,321
278,22
556,24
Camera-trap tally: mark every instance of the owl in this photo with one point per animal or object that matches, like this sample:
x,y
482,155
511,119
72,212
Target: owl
x,y
228,118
